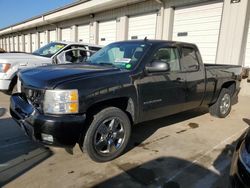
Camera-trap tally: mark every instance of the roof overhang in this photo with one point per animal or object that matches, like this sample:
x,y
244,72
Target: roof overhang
x,y
81,8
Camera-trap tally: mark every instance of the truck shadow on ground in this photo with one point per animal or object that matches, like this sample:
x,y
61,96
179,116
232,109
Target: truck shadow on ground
x,y
144,130
172,172
18,153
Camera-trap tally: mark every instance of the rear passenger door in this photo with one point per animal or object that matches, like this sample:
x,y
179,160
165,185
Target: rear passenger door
x,y
191,64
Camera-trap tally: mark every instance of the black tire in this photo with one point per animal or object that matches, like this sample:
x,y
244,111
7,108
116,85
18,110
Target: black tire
x,y
223,105
102,140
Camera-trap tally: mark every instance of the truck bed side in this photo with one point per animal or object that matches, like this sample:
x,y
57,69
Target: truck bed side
x,y
220,76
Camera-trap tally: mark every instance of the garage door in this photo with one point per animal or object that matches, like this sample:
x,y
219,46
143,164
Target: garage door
x,y
199,25
247,52
52,36
33,42
41,39
16,43
107,32
27,43
66,32
11,44
20,43
142,26
7,44
83,33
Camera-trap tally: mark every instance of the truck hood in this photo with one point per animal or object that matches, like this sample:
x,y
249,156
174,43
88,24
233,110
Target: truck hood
x,y
20,56
50,76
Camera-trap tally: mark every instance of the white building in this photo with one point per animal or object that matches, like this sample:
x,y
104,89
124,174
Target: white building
x,y
219,28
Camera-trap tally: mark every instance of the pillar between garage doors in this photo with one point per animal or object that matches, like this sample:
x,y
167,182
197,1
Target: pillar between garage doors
x,y
233,32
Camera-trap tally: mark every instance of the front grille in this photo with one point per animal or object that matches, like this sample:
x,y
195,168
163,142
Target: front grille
x,y
35,96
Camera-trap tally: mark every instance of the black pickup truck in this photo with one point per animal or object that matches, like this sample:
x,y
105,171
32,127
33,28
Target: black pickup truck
x,y
125,83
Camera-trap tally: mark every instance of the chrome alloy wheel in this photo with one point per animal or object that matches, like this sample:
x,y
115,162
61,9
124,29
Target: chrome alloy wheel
x,y
225,103
109,136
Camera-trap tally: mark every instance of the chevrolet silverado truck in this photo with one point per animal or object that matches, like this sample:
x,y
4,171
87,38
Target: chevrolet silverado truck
x,y
52,53
95,104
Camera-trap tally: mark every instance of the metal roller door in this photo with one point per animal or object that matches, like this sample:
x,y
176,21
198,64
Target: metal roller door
x,y
33,42
11,44
7,44
52,36
16,43
27,43
107,32
142,26
199,24
83,33
41,39
20,43
247,52
4,44
66,32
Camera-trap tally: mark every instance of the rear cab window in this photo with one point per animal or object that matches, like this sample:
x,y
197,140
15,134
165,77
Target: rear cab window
x,y
189,59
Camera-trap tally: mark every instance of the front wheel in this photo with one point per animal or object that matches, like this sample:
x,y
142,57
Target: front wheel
x,y
223,105
108,135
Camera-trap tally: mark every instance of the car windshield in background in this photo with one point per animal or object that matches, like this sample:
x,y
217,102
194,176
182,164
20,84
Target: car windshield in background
x,y
49,50
121,55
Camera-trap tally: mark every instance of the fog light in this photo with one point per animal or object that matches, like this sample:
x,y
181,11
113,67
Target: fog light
x,y
47,137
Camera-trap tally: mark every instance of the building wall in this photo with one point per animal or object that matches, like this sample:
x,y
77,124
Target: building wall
x,y
164,10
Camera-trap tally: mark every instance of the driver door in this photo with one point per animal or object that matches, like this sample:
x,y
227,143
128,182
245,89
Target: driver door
x,y
163,93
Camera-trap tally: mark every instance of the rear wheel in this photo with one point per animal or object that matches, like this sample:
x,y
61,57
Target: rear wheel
x,y
108,135
222,107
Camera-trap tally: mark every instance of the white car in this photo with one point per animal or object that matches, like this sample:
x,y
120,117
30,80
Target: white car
x,y
52,53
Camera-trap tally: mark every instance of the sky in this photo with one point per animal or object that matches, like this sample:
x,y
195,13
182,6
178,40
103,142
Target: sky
x,y
14,11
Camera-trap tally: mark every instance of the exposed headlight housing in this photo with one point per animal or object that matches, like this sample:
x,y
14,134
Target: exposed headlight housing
x,y
4,67
61,102
244,156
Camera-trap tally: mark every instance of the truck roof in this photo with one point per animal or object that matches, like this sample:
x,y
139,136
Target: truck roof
x,y
160,41
83,43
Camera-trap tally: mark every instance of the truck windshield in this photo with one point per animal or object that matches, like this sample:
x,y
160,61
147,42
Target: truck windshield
x,y
121,55
49,50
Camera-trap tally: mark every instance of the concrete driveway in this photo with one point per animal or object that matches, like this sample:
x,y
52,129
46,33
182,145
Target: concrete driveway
x,y
190,149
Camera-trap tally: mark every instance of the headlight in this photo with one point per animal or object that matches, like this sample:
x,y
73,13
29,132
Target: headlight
x,y
4,67
61,102
244,155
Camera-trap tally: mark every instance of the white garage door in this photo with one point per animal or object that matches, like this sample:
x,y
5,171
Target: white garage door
x,y
142,26
247,52
27,43
16,43
52,36
20,42
41,39
11,44
66,32
83,33
199,25
33,42
107,32
7,44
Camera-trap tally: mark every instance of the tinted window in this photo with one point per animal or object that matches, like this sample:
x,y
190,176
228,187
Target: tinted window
x,y
168,55
189,61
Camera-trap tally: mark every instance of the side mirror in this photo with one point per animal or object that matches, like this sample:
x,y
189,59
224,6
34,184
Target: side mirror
x,y
158,66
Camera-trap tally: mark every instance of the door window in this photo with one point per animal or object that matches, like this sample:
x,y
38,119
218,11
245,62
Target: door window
x,y
189,61
168,55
